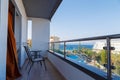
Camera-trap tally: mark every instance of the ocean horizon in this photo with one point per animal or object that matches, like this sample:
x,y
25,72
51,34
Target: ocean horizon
x,y
75,46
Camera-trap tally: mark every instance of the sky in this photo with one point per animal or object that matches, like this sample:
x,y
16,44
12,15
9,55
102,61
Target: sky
x,y
29,29
86,18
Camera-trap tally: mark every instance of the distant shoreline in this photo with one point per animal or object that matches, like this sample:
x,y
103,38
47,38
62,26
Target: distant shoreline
x,y
75,46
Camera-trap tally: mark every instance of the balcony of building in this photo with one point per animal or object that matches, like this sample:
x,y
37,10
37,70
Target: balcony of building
x,y
62,62
75,64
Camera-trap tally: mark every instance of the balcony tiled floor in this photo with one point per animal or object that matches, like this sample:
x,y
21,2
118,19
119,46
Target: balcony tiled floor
x,y
38,73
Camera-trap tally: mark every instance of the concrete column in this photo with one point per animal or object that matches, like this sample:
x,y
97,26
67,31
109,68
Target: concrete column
x,y
3,37
40,34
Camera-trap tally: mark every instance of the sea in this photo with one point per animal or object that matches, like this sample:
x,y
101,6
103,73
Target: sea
x,y
75,46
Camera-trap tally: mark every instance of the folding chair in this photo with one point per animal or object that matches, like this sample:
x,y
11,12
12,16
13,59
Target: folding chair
x,y
33,60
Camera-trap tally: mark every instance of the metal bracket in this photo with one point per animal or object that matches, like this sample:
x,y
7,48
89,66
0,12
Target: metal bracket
x,y
111,48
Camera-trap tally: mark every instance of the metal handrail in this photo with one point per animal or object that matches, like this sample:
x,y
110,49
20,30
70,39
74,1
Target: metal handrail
x,y
114,36
108,48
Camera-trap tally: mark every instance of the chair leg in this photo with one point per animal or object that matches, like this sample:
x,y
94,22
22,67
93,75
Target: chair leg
x,y
27,64
30,67
44,64
40,63
29,71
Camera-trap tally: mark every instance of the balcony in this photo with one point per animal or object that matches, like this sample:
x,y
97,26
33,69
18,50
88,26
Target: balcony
x,y
74,63
98,61
96,57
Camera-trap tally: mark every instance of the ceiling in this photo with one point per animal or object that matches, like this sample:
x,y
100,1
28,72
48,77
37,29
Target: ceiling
x,y
41,8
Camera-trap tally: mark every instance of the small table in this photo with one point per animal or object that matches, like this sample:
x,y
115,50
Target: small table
x,y
36,53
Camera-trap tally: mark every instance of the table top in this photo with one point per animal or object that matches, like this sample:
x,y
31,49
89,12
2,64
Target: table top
x,y
35,50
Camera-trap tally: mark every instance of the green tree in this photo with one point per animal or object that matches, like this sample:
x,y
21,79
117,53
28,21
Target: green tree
x,y
98,57
116,62
75,51
103,57
79,48
58,51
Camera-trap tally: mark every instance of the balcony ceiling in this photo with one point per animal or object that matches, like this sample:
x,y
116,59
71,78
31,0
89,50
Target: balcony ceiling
x,y
41,8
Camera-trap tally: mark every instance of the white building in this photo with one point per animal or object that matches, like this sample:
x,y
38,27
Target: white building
x,y
54,39
98,46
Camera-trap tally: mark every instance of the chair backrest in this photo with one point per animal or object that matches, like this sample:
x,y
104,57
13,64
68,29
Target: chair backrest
x,y
28,52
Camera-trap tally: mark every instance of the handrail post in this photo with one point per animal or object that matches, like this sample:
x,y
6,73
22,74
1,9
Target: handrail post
x,y
108,59
64,49
53,46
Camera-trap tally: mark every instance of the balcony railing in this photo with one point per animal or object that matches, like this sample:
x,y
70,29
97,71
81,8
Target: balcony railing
x,y
97,54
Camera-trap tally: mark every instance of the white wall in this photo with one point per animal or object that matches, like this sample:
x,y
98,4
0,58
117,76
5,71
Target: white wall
x,y
40,33
68,71
18,30
21,9
18,36
3,37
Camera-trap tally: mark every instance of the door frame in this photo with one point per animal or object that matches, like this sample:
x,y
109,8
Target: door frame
x,y
19,42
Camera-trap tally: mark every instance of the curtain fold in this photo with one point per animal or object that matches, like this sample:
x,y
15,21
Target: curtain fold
x,y
12,58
